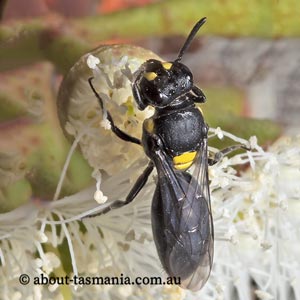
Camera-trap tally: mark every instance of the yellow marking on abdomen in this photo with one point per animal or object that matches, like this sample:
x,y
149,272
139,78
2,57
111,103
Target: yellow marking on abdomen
x,y
184,160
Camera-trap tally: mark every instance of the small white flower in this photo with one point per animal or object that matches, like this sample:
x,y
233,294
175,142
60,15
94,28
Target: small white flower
x,y
105,124
50,262
41,237
253,142
99,197
92,61
219,133
38,263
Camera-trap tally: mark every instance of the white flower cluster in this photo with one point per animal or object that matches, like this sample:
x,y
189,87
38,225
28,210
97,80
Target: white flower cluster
x,y
83,118
256,220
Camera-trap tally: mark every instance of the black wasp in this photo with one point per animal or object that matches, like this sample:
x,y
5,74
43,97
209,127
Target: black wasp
x,y
174,138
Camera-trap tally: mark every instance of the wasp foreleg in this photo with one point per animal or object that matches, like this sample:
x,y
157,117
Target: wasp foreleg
x,y
117,131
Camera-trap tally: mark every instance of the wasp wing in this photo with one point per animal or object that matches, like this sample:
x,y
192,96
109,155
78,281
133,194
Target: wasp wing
x,y
198,190
182,221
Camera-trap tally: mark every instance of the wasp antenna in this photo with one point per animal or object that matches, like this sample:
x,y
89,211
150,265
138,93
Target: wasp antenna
x,y
190,38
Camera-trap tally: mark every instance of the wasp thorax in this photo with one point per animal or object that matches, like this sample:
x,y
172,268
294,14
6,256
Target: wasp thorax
x,y
159,83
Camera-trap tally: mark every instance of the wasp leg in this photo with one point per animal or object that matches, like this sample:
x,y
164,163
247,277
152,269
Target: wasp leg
x,y
200,95
139,184
117,131
219,155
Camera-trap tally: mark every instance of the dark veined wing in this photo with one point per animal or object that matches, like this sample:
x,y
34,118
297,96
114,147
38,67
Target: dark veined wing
x,y
198,190
182,221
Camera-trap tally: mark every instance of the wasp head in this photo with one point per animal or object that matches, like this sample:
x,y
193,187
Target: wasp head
x,y
158,83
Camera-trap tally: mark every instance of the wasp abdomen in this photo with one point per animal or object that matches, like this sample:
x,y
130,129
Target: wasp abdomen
x,y
181,229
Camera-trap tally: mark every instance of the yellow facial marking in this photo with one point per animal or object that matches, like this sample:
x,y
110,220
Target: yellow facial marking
x,y
184,161
150,76
167,65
